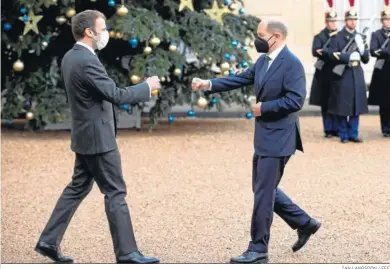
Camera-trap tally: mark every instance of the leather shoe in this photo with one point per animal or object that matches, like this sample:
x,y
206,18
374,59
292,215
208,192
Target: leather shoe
x,y
356,139
52,252
344,141
305,233
136,257
386,134
250,257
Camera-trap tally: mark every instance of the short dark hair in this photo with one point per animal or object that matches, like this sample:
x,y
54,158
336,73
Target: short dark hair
x,y
83,20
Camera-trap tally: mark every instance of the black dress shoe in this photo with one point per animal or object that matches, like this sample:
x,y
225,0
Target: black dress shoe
x,y
356,140
305,233
136,257
250,257
344,141
328,135
386,134
52,252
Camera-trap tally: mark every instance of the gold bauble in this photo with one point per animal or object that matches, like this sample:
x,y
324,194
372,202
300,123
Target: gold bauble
x,y
226,73
162,79
177,72
18,66
119,35
147,50
135,79
155,41
225,66
154,92
251,44
61,19
202,102
172,48
70,12
30,115
122,11
112,34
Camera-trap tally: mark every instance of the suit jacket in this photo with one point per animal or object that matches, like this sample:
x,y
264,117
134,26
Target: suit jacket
x,y
282,92
91,94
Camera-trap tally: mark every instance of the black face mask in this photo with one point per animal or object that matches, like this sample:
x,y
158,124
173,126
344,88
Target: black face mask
x,y
262,45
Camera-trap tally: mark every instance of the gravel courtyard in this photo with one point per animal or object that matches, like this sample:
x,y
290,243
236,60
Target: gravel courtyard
x,y
189,192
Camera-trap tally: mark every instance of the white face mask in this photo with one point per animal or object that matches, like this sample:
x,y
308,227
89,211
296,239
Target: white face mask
x,y
102,42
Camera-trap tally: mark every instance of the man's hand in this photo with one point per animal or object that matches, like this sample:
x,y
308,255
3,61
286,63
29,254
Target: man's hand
x,y
256,109
154,82
200,84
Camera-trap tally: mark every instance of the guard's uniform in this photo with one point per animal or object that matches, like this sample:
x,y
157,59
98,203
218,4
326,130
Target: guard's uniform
x,y
348,97
380,83
320,88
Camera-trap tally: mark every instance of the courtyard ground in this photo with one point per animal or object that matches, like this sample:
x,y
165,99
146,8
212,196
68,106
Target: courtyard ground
x,y
189,192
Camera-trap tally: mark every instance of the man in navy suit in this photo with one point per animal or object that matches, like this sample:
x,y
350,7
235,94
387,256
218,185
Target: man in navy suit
x,y
279,80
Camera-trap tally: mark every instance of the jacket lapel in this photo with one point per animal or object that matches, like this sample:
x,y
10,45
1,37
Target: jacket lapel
x,y
274,67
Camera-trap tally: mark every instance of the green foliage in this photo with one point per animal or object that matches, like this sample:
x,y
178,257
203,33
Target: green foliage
x,y
201,45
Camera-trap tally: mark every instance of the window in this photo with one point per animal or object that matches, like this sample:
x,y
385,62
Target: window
x,y
369,15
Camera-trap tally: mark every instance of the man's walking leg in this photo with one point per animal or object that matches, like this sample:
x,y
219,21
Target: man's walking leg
x,y
384,114
63,212
108,176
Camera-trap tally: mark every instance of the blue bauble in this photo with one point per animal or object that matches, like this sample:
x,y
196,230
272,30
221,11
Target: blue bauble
x,y
231,73
23,10
248,115
244,64
27,104
245,48
7,26
111,3
133,42
241,11
235,43
26,18
190,113
226,2
125,107
227,56
171,118
214,100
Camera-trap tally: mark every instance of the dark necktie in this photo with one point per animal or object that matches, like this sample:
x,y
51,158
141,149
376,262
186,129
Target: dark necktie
x,y
264,68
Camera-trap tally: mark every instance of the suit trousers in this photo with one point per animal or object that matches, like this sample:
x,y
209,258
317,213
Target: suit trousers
x,y
106,170
268,198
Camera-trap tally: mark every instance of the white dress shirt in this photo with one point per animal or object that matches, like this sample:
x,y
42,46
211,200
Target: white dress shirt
x,y
91,49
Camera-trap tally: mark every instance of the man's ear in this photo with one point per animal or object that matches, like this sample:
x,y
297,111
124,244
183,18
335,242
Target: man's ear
x,y
88,32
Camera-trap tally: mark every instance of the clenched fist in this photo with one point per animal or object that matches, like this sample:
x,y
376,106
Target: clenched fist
x,y
200,84
154,82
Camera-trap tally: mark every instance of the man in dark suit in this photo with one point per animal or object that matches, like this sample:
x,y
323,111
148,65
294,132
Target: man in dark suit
x,y
320,88
348,95
380,82
279,80
91,94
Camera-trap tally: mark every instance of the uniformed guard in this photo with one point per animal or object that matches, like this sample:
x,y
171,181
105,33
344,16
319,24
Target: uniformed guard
x,y
380,82
348,97
320,88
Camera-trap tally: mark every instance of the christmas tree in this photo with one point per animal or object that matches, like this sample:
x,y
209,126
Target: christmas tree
x,y
173,39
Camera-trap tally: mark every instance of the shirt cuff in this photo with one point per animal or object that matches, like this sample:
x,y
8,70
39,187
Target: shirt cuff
x,y
150,90
211,86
